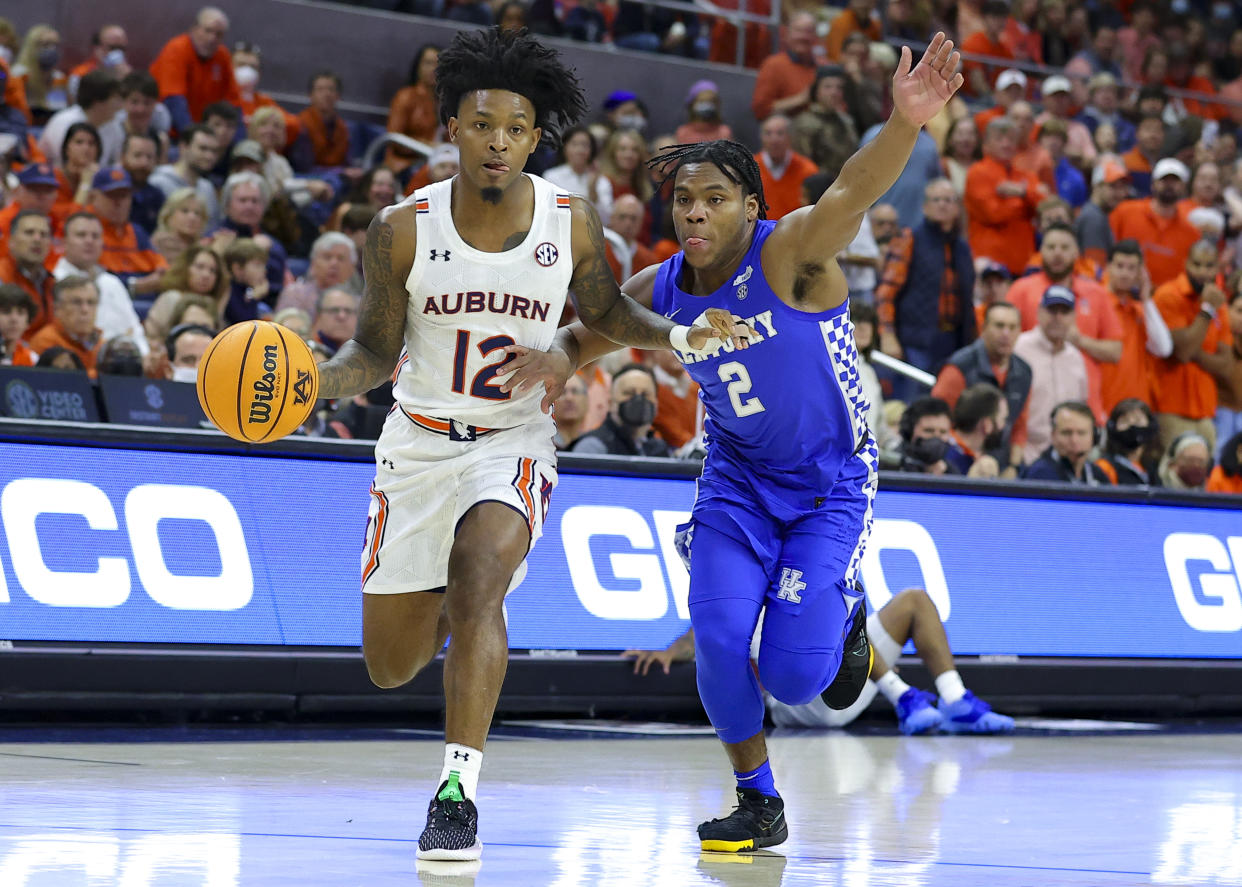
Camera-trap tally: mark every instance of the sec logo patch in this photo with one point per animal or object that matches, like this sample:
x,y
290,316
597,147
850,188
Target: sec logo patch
x,y
546,254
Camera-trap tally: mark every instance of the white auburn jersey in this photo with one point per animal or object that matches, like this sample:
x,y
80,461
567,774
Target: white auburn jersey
x,y
467,305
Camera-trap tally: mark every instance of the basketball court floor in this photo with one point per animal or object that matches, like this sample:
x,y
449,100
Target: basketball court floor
x,y
1143,804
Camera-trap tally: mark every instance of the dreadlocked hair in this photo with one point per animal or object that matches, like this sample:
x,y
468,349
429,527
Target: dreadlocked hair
x,y
514,61
733,159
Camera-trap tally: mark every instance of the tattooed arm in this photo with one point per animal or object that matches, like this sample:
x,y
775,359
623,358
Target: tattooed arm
x,y
370,356
603,308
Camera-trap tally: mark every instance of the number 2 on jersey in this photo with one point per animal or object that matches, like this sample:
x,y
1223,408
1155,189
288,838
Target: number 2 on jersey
x,y
734,375
484,384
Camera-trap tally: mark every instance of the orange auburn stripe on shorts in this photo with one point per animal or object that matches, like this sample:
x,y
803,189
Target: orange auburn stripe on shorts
x,y
525,483
381,523
440,426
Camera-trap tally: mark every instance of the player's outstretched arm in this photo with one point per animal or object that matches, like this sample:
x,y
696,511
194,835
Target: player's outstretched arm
x,y
370,356
918,95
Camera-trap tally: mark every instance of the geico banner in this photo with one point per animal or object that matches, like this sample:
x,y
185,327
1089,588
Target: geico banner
x,y
124,545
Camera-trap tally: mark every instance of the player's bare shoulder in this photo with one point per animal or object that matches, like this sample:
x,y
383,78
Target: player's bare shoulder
x,y
804,279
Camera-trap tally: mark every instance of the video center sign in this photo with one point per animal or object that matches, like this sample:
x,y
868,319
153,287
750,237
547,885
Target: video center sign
x,y
124,545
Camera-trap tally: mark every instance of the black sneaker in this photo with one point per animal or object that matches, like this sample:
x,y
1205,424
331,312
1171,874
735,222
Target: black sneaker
x,y
452,826
857,656
757,821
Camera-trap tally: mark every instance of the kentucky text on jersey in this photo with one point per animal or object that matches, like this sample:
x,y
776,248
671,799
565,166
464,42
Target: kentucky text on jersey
x,y
476,302
761,327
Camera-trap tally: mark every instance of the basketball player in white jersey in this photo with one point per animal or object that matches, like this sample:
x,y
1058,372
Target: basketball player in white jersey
x,y
455,274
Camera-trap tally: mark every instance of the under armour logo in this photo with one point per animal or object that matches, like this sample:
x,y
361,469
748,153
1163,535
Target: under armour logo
x,y
440,254
791,583
387,463
461,756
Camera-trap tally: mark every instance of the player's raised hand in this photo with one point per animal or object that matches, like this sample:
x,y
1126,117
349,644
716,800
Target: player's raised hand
x,y
722,325
919,94
528,367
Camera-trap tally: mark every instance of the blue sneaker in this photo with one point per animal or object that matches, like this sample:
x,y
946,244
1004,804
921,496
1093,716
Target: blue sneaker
x,y
916,712
970,714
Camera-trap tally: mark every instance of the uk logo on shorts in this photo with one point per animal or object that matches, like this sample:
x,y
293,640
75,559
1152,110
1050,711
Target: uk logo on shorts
x,y
546,254
791,583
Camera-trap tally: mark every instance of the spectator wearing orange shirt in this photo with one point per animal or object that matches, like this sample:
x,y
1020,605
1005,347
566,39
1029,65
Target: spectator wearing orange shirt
x,y
1031,156
1010,88
30,242
17,309
783,84
677,400
247,69
79,160
627,221
1142,158
781,168
703,120
1193,306
72,327
36,190
858,17
1165,236
1145,335
322,127
1001,201
413,111
194,69
1055,211
108,45
980,75
1226,477
127,251
1096,331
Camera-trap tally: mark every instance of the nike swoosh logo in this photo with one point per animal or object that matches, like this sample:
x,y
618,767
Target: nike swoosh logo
x,y
673,314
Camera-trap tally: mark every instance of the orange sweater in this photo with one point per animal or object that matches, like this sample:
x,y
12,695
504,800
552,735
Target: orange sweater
x,y
1001,228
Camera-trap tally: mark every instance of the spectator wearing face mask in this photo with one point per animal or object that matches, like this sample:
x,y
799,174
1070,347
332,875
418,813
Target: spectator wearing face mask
x,y
703,123
1072,438
1227,476
1129,435
1186,464
186,346
926,429
108,45
627,429
119,356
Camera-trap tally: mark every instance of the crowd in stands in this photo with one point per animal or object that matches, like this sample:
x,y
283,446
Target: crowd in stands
x,y
1059,260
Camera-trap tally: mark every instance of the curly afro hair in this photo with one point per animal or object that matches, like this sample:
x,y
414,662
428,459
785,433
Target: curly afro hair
x,y
513,61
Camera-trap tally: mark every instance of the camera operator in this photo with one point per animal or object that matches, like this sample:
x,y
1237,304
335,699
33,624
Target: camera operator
x,y
926,432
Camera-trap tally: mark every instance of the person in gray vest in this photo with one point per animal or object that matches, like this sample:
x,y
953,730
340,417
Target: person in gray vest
x,y
990,359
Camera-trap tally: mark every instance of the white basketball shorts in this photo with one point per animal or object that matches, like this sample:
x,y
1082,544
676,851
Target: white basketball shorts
x,y
428,474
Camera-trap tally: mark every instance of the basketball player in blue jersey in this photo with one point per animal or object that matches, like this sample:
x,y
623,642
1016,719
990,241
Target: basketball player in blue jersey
x,y
464,470
784,503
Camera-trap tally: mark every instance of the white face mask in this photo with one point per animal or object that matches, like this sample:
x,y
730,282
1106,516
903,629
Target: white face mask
x,y
185,374
246,76
6,55
114,58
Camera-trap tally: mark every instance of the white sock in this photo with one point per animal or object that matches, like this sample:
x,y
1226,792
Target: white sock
x,y
464,763
892,686
950,687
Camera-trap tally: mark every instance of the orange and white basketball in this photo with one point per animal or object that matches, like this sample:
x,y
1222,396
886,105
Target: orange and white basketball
x,y
257,381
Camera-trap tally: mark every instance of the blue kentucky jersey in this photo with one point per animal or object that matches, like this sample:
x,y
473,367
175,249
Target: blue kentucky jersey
x,y
784,414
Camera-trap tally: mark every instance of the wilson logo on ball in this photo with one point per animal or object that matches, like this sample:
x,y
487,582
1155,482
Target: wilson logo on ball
x,y
264,386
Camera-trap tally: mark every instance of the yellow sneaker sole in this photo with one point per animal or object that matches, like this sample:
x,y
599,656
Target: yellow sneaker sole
x,y
729,846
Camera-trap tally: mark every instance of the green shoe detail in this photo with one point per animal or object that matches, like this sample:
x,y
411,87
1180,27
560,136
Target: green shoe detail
x,y
452,789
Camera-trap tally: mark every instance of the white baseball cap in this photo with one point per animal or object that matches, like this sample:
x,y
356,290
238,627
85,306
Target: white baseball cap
x,y
1054,84
1170,166
1010,77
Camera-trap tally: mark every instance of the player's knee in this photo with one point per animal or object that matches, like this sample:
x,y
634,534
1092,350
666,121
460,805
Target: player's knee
x,y
717,648
796,679
387,674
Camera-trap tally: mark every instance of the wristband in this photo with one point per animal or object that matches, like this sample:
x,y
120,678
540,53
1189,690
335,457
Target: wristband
x,y
679,338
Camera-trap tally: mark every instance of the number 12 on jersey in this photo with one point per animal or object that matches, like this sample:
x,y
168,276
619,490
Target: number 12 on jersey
x,y
484,384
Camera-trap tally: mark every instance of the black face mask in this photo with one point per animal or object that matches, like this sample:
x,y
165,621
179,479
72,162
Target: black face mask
x,y
636,412
994,440
927,450
1134,436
